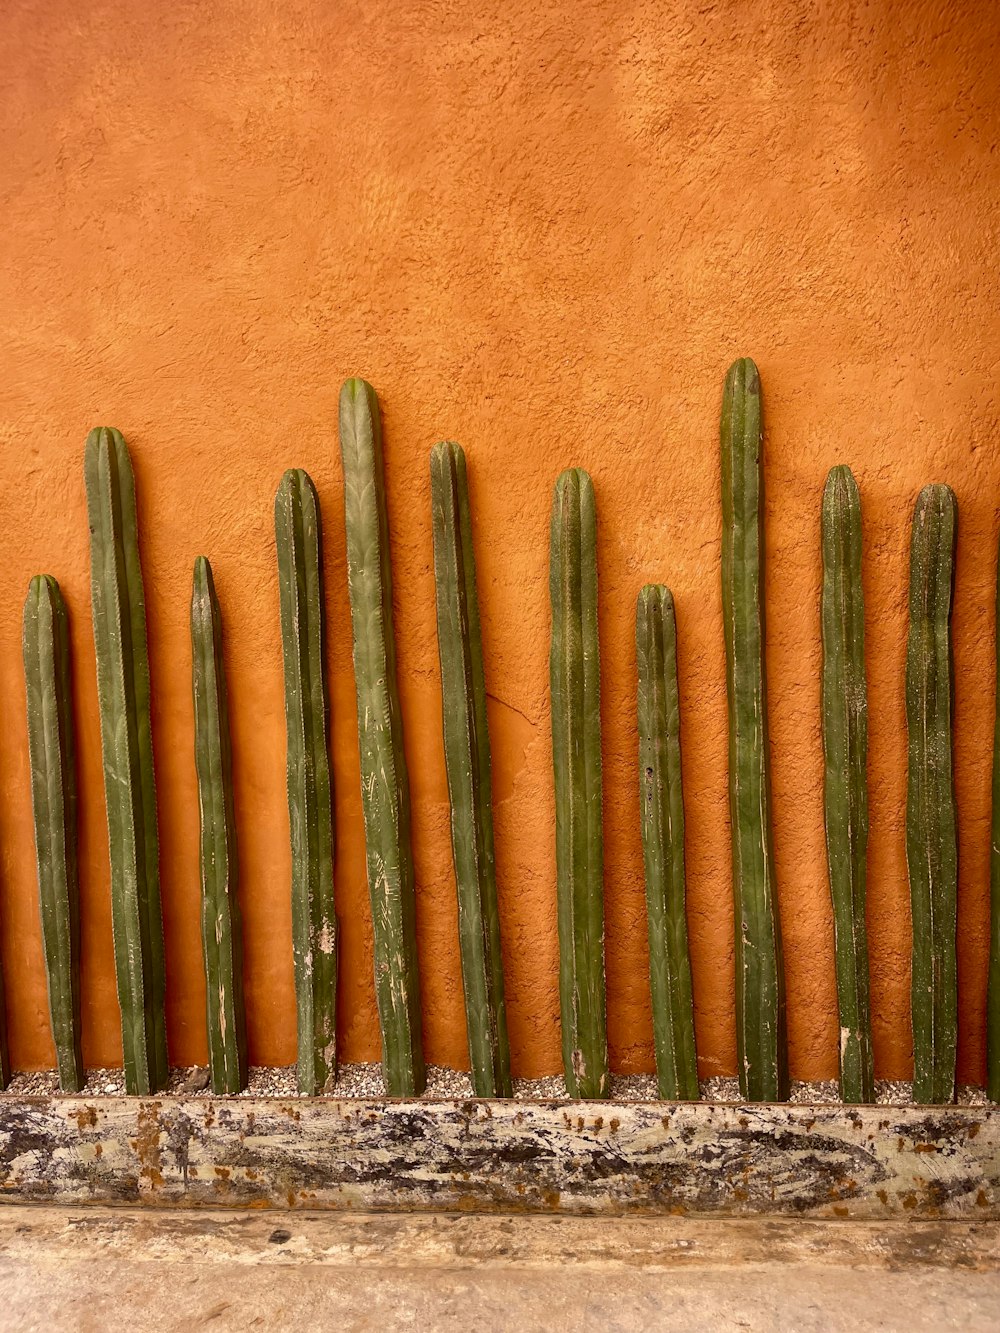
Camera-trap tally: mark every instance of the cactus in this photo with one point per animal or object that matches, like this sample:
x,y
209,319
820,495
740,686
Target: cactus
x,y
760,990
4,1054
845,750
467,757
119,614
931,827
385,791
662,808
310,801
51,750
574,669
993,985
221,926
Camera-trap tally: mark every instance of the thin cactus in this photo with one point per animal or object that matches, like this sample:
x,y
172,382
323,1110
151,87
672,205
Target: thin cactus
x,y
931,820
119,614
574,668
385,791
760,990
993,984
845,750
51,750
221,925
662,808
310,799
467,758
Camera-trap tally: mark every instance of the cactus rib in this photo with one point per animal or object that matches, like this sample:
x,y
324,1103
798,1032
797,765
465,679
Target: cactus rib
x,y
467,759
931,823
662,808
385,790
760,994
298,538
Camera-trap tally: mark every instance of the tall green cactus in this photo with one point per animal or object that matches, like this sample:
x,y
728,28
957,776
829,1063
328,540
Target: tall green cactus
x,y
385,790
574,670
845,750
467,758
993,985
310,800
662,805
51,749
221,924
119,614
931,821
760,989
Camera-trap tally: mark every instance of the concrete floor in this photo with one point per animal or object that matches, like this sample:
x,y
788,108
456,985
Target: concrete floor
x,y
100,1270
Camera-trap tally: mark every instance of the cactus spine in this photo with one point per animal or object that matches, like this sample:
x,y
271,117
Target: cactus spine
x,y
931,824
845,750
385,790
663,844
993,985
45,643
221,926
574,668
467,758
760,990
119,614
310,802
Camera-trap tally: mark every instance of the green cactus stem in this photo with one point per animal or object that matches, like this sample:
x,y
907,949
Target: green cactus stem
x,y
993,984
760,991
845,751
931,822
221,924
119,615
662,809
310,792
574,669
51,750
467,759
385,791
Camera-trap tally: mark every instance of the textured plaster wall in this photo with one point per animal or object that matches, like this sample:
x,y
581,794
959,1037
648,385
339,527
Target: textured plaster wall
x,y
543,229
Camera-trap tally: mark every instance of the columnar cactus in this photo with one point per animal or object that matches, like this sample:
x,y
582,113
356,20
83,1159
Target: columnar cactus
x,y
931,822
51,749
467,758
845,750
993,985
574,669
385,790
119,614
310,800
221,925
760,991
663,844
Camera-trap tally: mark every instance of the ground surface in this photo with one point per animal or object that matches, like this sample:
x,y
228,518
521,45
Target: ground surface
x,y
101,1270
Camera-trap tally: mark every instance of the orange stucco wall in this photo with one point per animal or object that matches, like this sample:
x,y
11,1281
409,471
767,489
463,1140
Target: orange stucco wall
x,y
543,229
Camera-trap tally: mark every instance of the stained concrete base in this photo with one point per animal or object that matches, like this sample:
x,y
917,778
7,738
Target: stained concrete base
x,y
97,1271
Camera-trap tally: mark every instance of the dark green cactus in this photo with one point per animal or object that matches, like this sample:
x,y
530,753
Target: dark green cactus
x,y
310,793
662,805
760,989
119,613
845,750
51,749
221,924
385,790
993,985
931,822
467,758
574,669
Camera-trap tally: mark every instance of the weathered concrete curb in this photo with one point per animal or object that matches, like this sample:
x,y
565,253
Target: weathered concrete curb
x,y
701,1159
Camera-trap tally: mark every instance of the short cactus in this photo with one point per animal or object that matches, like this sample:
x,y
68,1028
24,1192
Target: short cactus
x,y
931,821
662,810
221,925
385,790
574,669
310,792
760,989
119,614
467,758
51,749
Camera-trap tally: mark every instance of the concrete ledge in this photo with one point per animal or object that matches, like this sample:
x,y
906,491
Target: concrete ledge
x,y
701,1159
